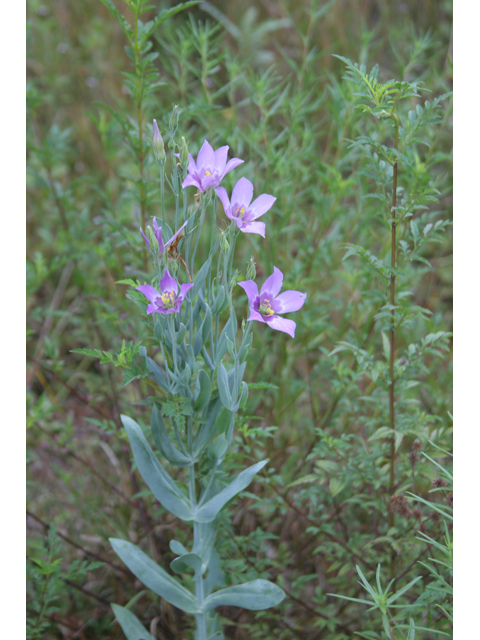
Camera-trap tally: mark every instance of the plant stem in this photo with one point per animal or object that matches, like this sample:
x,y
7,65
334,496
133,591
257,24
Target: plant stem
x,y
200,618
140,127
174,343
162,192
392,340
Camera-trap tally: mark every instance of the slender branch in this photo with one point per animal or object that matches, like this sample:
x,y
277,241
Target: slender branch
x,y
325,533
391,488
139,73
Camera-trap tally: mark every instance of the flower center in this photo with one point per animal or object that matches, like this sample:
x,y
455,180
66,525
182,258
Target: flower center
x,y
168,299
265,308
207,173
240,212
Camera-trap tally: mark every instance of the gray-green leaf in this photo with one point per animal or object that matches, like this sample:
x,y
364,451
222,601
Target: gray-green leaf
x,y
153,576
160,483
255,595
169,450
131,625
209,511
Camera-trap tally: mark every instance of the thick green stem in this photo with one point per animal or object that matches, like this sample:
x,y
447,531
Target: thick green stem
x,y
200,618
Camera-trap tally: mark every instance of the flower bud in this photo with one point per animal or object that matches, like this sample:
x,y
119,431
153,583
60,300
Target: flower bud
x,y
153,243
251,271
234,279
174,118
224,244
184,152
174,268
158,146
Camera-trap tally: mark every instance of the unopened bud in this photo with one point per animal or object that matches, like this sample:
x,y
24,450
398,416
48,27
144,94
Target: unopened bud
x,y
251,271
158,146
174,266
152,240
224,244
234,279
384,115
174,118
184,152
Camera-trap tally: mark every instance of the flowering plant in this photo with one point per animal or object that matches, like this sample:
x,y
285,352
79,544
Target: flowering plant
x,y
201,388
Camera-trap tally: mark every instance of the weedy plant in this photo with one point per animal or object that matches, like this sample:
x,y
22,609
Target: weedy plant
x,y
402,199
46,579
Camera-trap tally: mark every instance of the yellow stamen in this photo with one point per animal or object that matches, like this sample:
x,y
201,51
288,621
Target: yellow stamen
x,y
266,308
168,299
207,173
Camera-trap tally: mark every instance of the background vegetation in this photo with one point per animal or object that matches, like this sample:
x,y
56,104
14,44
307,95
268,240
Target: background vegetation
x,y
261,77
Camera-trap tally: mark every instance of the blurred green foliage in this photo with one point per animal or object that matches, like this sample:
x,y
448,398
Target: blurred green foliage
x,y
261,77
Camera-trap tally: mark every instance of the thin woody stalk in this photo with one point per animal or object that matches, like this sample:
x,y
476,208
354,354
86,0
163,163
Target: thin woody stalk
x,y
392,341
140,130
392,323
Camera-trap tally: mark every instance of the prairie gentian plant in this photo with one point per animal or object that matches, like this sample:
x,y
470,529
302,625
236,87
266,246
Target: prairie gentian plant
x,y
199,378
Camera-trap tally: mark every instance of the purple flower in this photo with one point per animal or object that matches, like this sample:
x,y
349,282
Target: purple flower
x,y
162,246
167,300
265,306
210,168
241,211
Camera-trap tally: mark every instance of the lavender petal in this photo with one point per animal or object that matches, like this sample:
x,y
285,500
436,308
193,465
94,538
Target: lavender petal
x,y
242,193
147,242
253,227
176,234
231,164
273,283
261,205
158,234
184,289
206,157
289,301
190,181
223,196
251,289
149,292
254,315
167,283
221,158
282,324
